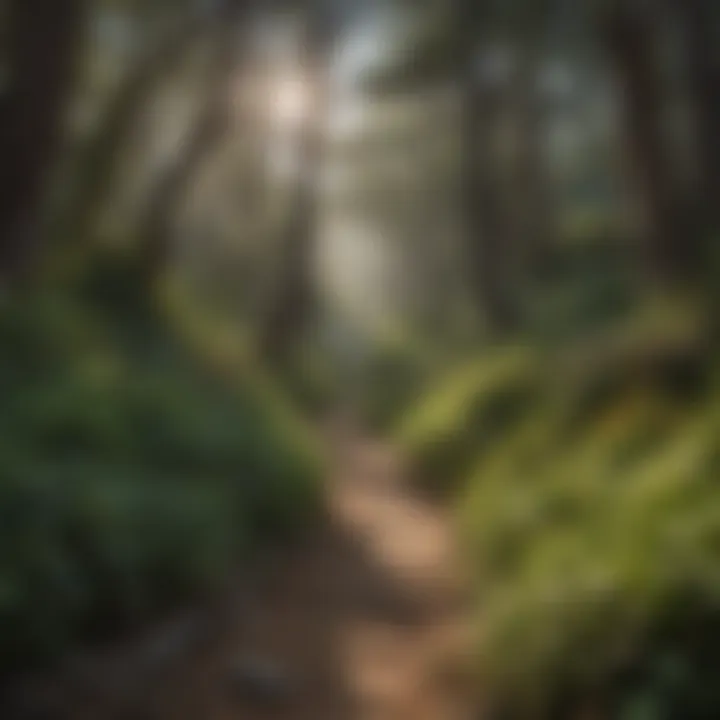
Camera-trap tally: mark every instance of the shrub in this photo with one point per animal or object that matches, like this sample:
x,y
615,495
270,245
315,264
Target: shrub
x,y
129,481
583,475
449,428
591,529
394,375
584,564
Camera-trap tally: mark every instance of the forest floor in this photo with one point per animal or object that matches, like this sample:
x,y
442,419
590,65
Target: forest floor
x,y
363,620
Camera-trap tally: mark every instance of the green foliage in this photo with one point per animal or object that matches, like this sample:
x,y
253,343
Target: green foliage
x,y
589,516
586,282
394,375
309,381
129,479
597,557
448,429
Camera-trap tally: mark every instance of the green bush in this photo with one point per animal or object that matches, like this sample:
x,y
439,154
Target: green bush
x,y
129,481
309,382
448,429
592,528
591,562
394,375
584,477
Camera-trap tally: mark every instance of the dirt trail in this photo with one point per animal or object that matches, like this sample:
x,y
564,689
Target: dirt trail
x,y
362,621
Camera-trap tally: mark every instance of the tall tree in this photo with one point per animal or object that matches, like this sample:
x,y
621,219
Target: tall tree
x,y
101,153
43,41
291,308
535,219
700,24
489,242
630,38
208,130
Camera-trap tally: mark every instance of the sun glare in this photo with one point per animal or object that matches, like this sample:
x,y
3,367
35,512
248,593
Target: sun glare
x,y
289,102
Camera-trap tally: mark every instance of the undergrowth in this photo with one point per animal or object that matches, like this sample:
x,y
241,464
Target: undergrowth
x,y
135,472
589,516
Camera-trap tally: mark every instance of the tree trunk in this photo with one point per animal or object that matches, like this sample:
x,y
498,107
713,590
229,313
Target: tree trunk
x,y
532,196
294,304
104,149
208,130
488,228
700,22
630,42
490,236
44,36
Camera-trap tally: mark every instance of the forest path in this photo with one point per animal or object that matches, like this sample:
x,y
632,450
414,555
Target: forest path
x,y
364,620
